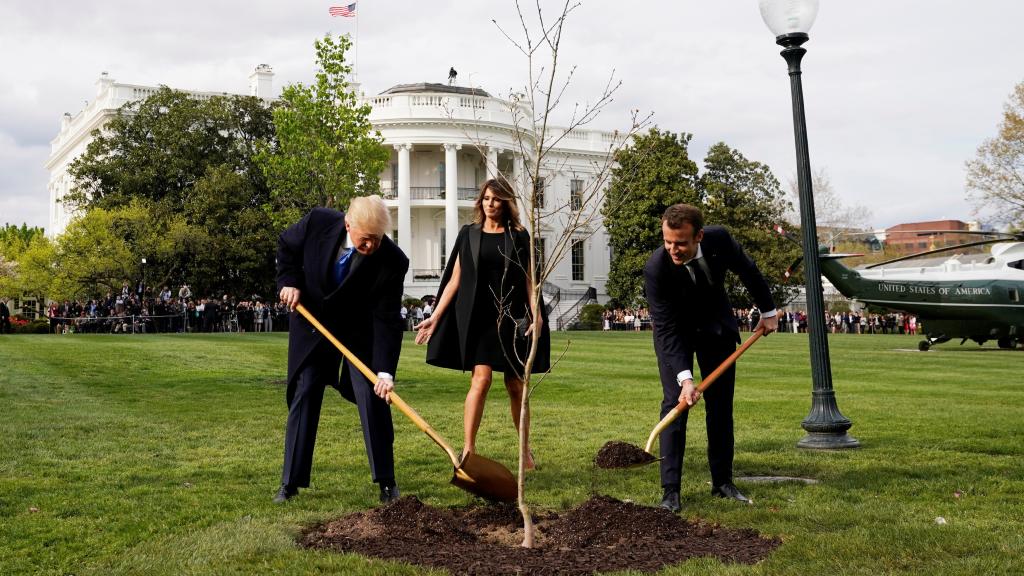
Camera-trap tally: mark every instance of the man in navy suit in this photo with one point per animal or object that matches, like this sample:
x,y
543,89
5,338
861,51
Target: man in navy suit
x,y
691,314
350,277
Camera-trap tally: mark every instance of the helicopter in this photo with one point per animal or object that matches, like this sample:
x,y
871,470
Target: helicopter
x,y
959,297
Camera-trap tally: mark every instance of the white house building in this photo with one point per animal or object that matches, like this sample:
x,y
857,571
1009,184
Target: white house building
x,y
445,142
76,132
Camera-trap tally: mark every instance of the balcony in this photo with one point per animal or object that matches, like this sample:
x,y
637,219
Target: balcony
x,y
427,274
444,107
389,191
426,193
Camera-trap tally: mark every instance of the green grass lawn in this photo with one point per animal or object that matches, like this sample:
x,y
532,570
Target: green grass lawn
x,y
160,454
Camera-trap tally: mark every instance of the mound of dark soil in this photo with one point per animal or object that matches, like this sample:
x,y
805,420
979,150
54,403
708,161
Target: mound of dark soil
x,y
616,454
600,535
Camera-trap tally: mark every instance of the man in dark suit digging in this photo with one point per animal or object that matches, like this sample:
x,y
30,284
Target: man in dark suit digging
x,y
350,277
691,314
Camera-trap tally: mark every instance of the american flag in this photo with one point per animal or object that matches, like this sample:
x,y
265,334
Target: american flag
x,y
346,11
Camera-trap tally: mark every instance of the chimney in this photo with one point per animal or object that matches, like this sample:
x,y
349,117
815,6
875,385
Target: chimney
x,y
103,83
261,82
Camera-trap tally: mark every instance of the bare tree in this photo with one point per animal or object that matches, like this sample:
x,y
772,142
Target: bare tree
x,y
832,215
563,220
995,178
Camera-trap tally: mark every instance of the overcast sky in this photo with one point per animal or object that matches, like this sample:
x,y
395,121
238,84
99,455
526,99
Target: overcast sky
x,y
899,93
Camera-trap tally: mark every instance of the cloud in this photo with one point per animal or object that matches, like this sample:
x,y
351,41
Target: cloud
x,y
21,175
898,94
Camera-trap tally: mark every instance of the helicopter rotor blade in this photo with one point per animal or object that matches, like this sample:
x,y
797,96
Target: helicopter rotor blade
x,y
793,267
936,251
786,234
1012,235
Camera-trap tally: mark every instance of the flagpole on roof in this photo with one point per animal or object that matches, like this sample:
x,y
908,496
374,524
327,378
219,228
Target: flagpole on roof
x,y
356,67
349,11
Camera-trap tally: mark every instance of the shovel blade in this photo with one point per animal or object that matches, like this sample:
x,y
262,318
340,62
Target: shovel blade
x,y
485,478
654,460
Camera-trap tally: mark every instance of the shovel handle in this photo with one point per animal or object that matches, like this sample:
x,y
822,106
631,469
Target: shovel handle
x,y
422,425
704,384
392,396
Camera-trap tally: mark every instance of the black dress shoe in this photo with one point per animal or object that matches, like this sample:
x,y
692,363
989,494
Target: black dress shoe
x,y
729,490
285,493
389,493
670,501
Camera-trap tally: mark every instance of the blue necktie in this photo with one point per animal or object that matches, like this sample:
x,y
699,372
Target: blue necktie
x,y
341,266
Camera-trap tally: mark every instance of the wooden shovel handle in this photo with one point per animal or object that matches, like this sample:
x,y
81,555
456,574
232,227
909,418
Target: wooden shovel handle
x,y
704,384
392,396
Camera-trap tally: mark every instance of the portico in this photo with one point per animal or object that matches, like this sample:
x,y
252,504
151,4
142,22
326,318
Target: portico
x,y
431,188
445,141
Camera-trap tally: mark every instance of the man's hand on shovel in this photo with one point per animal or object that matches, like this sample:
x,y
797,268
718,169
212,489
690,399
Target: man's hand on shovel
x,y
384,385
767,325
689,392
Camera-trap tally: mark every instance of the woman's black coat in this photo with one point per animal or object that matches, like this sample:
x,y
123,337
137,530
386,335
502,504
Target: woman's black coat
x,y
448,345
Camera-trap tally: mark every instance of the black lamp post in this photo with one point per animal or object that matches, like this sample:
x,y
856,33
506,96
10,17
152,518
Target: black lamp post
x,y
142,291
826,427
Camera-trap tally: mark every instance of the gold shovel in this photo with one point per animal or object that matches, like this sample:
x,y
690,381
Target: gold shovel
x,y
473,473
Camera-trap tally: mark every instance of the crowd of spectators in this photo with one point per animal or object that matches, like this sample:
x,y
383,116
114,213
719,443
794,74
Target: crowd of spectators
x,y
789,321
635,319
414,311
139,310
856,323
850,323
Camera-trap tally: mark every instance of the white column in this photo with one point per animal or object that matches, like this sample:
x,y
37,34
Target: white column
x,y
404,201
492,162
451,195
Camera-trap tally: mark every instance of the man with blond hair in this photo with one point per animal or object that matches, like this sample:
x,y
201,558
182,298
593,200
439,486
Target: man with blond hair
x,y
350,276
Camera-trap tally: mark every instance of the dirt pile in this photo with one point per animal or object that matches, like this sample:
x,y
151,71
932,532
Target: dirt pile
x,y
616,454
600,535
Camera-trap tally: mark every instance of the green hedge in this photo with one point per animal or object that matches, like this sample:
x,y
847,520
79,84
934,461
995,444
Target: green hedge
x,y
33,327
590,317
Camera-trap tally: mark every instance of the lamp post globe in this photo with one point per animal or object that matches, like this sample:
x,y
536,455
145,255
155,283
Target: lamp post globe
x,y
789,21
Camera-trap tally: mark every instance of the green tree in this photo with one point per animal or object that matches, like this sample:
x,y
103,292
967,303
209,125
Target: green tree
x,y
35,271
15,242
651,175
995,177
744,196
13,237
326,152
159,147
104,248
229,243
191,164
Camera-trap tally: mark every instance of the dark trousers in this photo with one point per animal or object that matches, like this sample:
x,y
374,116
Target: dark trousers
x,y
717,399
305,397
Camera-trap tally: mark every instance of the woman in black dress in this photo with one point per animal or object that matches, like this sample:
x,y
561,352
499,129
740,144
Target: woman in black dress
x,y
484,293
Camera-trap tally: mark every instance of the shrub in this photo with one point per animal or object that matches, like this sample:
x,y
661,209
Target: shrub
x,y
29,327
590,317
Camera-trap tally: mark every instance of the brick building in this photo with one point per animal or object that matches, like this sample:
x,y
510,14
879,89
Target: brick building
x,y
921,236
